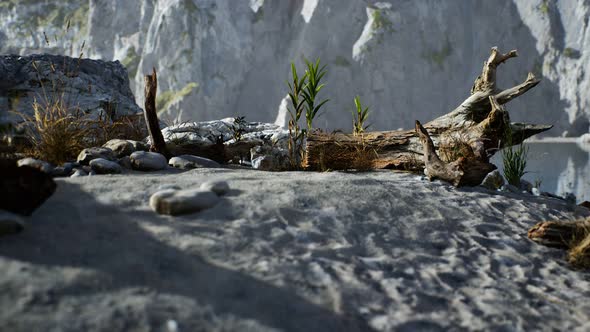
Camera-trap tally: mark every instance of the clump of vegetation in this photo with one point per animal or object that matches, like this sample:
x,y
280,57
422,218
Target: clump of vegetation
x,y
311,89
362,157
238,128
56,135
359,118
514,160
544,7
167,98
381,22
296,133
454,145
303,92
579,248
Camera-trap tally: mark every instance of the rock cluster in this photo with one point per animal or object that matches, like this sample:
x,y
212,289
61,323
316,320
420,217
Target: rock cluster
x,y
217,140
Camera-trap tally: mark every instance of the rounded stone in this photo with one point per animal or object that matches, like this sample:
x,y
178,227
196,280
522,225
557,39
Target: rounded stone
x,y
41,165
103,166
120,147
219,187
148,161
178,202
189,162
87,155
125,162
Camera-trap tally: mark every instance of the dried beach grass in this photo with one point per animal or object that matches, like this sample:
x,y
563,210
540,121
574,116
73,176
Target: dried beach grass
x,y
579,251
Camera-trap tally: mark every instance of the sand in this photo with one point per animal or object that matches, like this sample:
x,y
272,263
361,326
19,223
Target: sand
x,y
291,251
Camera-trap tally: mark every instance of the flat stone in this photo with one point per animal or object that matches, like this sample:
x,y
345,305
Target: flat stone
x,y
120,147
103,166
177,202
10,223
190,162
219,187
87,155
41,165
148,161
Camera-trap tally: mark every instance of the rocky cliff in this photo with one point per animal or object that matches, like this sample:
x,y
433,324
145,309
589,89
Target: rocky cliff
x,y
406,59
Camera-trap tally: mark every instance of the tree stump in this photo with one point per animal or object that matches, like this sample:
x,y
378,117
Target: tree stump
x,y
479,121
151,115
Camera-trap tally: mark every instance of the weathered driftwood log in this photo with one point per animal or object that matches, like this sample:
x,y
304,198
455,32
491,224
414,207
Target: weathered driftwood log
x,y
475,122
151,115
558,234
465,171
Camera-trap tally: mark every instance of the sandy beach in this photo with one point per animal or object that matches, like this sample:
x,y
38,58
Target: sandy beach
x,y
290,251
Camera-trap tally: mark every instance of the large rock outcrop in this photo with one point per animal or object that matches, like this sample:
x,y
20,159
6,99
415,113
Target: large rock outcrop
x,y
408,60
93,87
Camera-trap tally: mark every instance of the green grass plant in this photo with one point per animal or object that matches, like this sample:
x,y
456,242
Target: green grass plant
x,y
360,117
296,133
515,161
314,74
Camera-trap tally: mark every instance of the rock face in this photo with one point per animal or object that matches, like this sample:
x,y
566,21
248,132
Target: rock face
x,y
408,60
94,87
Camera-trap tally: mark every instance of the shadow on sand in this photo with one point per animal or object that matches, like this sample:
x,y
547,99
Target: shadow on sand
x,y
73,229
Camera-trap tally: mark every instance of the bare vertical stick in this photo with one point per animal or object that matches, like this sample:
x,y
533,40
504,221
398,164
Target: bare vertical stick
x,y
151,115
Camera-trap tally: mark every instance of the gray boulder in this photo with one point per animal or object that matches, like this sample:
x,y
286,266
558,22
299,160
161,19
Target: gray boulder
x,y
148,161
178,202
88,154
95,87
190,162
41,165
219,187
103,166
120,147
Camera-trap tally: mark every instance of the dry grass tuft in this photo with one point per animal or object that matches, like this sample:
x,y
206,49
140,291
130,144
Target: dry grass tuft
x,y
579,251
455,145
362,157
55,134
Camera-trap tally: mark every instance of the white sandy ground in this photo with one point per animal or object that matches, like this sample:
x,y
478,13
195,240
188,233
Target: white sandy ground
x,y
293,251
